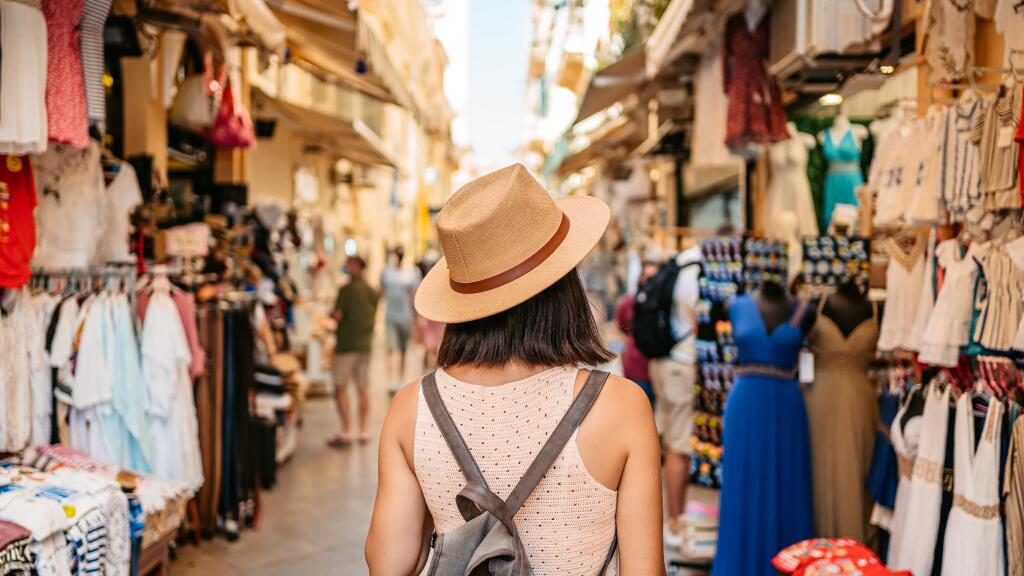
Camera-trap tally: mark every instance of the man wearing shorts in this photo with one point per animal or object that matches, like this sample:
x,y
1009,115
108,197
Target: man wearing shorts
x,y
354,311
673,378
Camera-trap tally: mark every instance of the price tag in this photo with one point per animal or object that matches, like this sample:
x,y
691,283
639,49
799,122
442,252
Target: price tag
x,y
1005,136
806,367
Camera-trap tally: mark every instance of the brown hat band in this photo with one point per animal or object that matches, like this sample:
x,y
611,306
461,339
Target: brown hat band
x,y
518,270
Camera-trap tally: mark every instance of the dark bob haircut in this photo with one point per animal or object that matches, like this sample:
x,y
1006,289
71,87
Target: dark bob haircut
x,y
554,328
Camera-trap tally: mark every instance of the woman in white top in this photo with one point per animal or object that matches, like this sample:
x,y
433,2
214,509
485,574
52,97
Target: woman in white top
x,y
519,330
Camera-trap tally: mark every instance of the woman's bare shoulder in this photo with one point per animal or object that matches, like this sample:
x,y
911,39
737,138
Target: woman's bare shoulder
x,y
622,402
619,424
400,423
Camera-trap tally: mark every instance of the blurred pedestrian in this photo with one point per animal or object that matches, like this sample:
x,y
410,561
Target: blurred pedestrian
x,y
354,311
398,283
634,363
497,428
428,332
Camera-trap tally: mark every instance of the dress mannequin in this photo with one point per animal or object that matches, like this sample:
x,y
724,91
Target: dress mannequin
x,y
804,138
840,126
777,306
848,308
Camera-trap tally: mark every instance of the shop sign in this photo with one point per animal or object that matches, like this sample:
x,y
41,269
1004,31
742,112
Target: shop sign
x,y
188,241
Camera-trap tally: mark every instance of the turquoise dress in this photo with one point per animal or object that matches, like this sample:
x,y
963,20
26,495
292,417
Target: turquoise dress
x,y
844,175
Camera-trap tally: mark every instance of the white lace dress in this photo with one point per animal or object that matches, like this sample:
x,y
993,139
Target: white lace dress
x,y
949,326
974,532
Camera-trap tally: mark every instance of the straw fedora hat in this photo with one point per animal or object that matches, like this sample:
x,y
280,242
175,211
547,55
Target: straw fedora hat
x,y
504,241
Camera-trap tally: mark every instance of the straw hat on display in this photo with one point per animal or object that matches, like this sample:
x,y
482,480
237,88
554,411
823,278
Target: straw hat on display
x,y
504,241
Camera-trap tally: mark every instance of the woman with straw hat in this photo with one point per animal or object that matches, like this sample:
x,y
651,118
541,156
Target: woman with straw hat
x,y
511,377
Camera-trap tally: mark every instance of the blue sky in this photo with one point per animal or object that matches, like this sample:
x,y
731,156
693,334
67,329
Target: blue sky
x,y
499,48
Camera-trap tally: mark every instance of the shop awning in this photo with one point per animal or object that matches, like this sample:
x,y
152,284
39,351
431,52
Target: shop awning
x,y
615,141
684,28
330,36
613,83
351,140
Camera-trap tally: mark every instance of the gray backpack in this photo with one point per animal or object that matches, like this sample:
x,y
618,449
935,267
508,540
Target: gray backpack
x,y
488,543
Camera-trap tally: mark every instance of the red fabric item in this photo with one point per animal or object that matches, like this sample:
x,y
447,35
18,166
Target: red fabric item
x,y
232,128
1019,137
67,119
831,557
634,363
755,112
17,222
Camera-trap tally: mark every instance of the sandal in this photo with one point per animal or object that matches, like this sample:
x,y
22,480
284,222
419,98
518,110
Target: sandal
x,y
364,438
339,441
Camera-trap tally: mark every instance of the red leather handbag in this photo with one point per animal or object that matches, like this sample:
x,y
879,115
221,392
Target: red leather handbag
x,y
232,128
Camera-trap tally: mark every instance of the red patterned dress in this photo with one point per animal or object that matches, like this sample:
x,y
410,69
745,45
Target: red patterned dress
x,y
65,86
755,112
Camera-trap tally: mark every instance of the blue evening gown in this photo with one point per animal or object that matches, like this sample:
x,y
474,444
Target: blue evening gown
x,y
766,488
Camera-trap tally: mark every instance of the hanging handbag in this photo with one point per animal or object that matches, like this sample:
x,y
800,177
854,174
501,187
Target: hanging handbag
x,y
232,128
196,98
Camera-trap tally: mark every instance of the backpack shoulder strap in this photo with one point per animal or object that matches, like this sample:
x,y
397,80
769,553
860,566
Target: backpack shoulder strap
x,y
450,432
556,442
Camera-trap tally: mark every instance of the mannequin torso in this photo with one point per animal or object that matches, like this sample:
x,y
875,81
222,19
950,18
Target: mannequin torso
x,y
848,308
777,307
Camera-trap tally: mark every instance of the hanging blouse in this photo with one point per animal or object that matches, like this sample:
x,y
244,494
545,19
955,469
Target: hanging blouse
x,y
1015,250
1002,308
960,166
999,153
949,47
1009,20
924,204
71,205
17,220
94,16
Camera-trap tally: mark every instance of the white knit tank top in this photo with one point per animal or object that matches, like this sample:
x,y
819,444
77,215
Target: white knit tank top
x,y
568,522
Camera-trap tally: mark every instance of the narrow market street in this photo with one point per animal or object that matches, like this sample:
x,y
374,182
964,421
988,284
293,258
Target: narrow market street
x,y
315,520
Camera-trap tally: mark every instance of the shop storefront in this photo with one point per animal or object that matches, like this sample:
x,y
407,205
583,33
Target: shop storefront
x,y
179,188
862,157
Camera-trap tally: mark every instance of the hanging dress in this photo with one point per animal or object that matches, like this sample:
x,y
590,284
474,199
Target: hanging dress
x,y
1013,489
919,534
755,113
1002,308
65,85
959,179
842,413
766,486
789,189
949,326
906,437
904,277
974,533
23,125
844,174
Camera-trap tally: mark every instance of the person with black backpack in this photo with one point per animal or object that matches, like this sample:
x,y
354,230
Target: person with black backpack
x,y
665,330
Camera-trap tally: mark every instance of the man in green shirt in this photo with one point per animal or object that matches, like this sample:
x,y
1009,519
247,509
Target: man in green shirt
x,y
354,311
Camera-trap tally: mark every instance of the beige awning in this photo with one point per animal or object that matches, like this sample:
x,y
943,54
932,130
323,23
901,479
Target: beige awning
x,y
613,83
328,35
351,140
613,141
